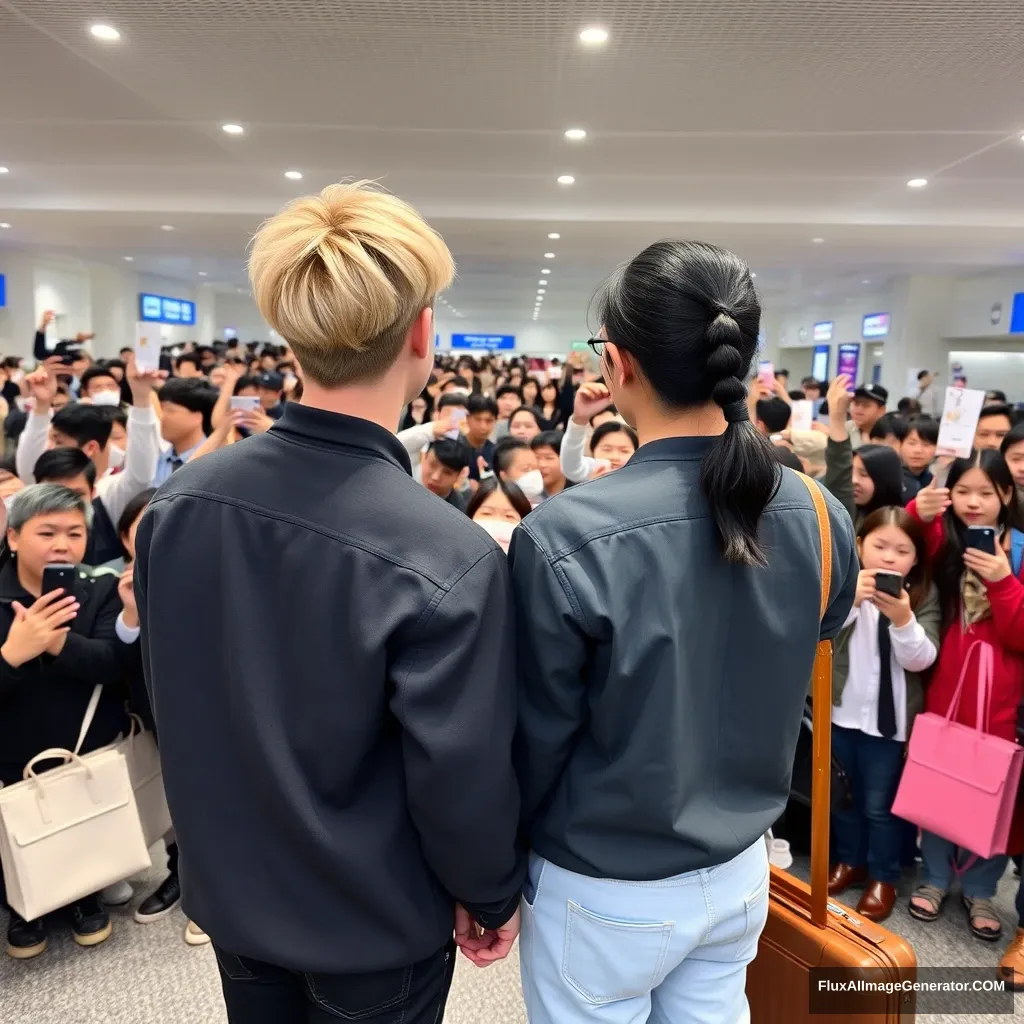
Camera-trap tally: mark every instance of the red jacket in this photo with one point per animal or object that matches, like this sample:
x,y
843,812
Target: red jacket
x,y
1005,632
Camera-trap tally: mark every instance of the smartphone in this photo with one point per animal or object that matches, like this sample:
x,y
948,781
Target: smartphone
x,y
766,374
58,577
458,415
983,538
890,583
245,403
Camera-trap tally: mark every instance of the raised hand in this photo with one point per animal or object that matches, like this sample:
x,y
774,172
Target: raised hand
x,y
932,501
590,400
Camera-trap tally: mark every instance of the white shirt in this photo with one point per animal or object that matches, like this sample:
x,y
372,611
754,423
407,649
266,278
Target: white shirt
x,y
575,465
912,651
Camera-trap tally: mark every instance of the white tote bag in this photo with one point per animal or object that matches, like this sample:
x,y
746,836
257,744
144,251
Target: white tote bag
x,y
70,831
143,760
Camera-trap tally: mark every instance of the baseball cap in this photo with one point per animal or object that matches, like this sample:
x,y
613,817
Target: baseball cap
x,y
875,393
271,381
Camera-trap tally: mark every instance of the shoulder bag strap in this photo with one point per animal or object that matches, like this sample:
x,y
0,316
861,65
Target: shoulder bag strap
x,y
90,714
821,701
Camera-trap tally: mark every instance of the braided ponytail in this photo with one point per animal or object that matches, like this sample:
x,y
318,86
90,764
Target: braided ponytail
x,y
740,473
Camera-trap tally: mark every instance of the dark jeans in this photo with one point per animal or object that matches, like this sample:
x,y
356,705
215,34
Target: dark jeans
x,y
259,993
868,835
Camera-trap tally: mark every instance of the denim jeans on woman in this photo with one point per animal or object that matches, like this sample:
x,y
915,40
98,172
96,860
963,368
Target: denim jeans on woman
x,y
868,834
979,881
673,951
259,993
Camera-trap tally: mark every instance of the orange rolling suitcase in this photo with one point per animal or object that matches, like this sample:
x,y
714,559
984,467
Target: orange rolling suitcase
x,y
807,930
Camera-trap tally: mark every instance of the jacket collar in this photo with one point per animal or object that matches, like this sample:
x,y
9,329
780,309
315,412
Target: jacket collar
x,y
304,423
674,449
10,586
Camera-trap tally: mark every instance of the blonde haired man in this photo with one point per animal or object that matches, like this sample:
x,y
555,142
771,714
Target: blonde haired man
x,y
336,734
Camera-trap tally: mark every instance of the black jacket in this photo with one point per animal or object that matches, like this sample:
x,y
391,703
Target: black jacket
x,y
43,702
329,652
661,689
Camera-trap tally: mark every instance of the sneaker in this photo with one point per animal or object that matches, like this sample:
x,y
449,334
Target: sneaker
x,y
25,939
118,894
90,922
162,902
194,935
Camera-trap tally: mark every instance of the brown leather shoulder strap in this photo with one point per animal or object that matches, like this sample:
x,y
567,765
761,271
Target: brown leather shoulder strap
x,y
821,701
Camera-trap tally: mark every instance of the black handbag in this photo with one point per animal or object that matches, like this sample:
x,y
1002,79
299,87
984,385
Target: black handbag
x,y
841,790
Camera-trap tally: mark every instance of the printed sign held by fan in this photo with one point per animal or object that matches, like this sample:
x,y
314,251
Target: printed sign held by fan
x,y
960,417
147,347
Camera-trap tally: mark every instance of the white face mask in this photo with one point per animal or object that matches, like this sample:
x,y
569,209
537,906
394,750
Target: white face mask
x,y
106,398
116,456
532,485
499,530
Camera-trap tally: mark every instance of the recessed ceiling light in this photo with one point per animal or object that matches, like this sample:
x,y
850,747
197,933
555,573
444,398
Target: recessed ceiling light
x,y
542,291
545,271
232,129
549,255
594,36
4,224
817,241
865,281
575,134
5,170
107,33
917,183
294,175
129,259
202,273
565,179
166,227
554,236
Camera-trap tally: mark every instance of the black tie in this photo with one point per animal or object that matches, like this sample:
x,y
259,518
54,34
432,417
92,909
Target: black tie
x,y
886,704
176,464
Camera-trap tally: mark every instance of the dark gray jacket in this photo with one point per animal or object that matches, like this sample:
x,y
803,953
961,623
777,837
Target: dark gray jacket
x,y
661,689
330,654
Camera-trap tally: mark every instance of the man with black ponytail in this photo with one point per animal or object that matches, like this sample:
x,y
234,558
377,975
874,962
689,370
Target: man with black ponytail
x,y
668,615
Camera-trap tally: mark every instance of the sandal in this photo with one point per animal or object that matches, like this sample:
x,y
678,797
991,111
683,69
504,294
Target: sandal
x,y
981,909
933,896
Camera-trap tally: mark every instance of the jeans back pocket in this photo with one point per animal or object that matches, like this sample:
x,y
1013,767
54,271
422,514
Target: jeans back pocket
x,y
358,996
607,959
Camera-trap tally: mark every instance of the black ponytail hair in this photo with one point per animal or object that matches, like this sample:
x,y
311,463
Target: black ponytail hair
x,y
688,314
884,467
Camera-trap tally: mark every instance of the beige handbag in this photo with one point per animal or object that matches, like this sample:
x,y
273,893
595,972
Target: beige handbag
x,y
143,759
70,831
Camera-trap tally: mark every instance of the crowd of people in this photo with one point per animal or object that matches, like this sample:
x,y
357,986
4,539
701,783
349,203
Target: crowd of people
x,y
352,718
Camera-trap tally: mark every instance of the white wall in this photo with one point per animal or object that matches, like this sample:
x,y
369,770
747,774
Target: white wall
x,y
986,370
973,299
240,312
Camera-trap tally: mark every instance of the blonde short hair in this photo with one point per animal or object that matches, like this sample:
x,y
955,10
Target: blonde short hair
x,y
342,276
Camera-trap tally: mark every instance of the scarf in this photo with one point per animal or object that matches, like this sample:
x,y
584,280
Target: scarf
x,y
974,602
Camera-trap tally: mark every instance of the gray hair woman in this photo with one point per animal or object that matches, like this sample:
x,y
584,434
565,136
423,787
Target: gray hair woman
x,y
54,649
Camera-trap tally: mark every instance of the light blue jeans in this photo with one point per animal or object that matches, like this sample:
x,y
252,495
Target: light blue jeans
x,y
670,952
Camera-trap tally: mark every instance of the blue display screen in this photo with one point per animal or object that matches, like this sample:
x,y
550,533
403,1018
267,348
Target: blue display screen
x,y
487,342
3,291
161,309
1016,313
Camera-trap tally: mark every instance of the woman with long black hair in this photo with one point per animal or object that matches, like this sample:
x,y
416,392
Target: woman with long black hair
x,y
668,616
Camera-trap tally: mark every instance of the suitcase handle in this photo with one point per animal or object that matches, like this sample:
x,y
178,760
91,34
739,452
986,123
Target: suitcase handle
x,y
821,738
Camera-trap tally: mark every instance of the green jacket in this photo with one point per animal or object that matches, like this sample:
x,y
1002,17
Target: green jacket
x,y
930,617
839,475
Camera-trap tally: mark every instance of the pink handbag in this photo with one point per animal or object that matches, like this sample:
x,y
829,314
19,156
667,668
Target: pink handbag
x,y
958,782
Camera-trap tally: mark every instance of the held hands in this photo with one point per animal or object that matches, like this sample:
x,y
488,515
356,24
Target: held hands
x,y
590,400
41,628
991,568
932,501
480,946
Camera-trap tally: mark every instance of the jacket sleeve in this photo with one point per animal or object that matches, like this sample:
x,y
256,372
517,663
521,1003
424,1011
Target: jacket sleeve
x,y
142,453
454,696
11,678
934,532
575,465
31,445
839,473
98,658
1006,599
415,439
552,650
845,569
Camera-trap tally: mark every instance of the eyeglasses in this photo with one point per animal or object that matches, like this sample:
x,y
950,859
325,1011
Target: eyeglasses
x,y
597,344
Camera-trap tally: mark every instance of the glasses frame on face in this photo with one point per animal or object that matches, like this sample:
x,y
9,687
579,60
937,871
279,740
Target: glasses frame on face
x,y
597,346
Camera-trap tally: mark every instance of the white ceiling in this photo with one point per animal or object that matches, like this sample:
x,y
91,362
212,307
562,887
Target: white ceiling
x,y
758,124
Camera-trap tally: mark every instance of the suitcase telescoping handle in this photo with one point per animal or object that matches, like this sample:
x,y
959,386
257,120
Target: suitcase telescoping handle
x,y
821,742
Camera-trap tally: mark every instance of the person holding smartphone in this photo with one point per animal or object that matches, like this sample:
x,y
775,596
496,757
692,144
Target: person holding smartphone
x,y
968,525
57,642
890,636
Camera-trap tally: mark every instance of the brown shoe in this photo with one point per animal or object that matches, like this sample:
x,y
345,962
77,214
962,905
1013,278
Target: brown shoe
x,y
843,876
1011,967
877,902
